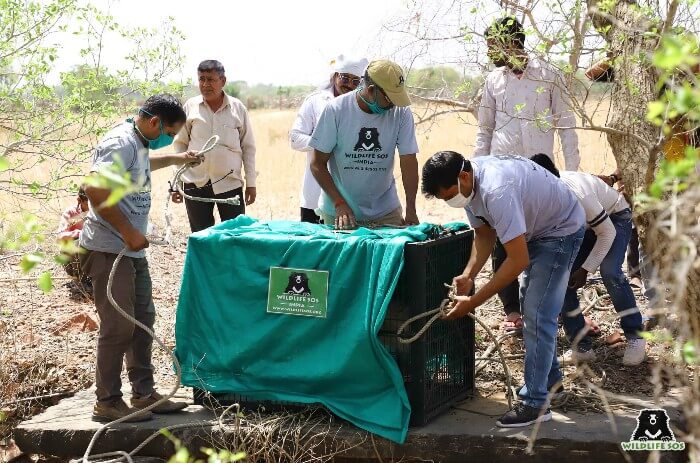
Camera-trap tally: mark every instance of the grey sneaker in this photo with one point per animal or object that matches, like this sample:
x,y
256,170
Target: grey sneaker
x,y
116,409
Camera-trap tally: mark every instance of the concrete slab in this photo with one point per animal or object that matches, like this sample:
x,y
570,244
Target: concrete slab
x,y
467,433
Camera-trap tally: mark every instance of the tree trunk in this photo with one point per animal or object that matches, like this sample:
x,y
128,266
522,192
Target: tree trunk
x,y
635,87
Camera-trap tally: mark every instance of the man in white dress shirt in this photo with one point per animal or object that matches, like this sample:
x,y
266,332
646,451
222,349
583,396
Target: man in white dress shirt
x,y
345,78
220,175
523,103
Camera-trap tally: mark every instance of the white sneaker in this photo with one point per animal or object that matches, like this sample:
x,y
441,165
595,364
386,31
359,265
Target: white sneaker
x,y
572,357
635,353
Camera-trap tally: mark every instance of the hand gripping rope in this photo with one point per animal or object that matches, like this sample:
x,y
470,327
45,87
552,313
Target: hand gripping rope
x,y
176,186
441,312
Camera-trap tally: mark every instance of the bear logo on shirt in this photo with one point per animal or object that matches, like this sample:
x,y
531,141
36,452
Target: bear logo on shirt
x,y
653,425
368,140
298,285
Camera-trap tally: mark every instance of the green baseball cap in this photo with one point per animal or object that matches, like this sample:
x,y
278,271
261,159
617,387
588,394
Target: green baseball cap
x,y
389,77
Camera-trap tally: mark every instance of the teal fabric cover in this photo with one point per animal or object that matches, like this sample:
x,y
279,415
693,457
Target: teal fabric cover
x,y
227,342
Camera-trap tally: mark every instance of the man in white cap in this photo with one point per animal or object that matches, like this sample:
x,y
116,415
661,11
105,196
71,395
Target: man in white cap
x,y
354,144
344,78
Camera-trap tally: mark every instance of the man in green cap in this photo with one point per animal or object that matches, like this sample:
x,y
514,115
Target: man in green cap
x,y
354,144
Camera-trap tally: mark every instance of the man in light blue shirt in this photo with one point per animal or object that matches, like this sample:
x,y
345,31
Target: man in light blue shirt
x,y
541,225
354,144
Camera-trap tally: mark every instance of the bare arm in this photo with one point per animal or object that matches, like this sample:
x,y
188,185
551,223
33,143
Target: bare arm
x,y
344,216
409,177
159,161
484,241
517,260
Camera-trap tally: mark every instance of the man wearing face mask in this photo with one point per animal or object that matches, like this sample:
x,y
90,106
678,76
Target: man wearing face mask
x,y
523,103
354,145
106,231
541,225
220,175
344,79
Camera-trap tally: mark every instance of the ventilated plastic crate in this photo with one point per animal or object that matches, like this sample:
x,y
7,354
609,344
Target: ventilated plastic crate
x,y
437,368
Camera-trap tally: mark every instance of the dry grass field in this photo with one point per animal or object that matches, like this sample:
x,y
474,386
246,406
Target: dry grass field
x,y
280,168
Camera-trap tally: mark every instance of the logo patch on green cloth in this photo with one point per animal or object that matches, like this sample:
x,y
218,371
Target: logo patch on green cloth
x,y
294,291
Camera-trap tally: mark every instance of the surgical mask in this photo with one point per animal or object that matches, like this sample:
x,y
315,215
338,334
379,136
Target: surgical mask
x,y
459,201
161,141
373,106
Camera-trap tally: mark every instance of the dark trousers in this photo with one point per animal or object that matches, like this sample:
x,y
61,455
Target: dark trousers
x,y
510,295
308,215
201,214
119,339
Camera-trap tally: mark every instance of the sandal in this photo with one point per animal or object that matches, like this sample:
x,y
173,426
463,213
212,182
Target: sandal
x,y
512,325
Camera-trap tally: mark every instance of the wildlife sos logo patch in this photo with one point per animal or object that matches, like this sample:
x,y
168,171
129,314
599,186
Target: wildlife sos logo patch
x,y
368,140
653,432
298,292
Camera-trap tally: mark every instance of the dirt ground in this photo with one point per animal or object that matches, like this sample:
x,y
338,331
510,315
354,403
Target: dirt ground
x,y
47,342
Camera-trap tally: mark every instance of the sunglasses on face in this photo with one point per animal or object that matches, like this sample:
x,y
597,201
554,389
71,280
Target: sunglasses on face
x,y
349,79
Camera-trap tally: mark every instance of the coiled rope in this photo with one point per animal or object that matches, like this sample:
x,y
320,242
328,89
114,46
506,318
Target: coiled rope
x,y
441,312
177,186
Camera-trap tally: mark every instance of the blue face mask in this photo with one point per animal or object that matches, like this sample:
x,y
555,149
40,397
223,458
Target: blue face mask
x,y
373,106
161,141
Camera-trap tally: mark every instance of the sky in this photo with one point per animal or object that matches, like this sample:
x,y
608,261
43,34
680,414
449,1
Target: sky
x,y
260,41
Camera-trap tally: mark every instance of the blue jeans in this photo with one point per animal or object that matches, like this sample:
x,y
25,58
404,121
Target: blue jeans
x,y
614,280
542,293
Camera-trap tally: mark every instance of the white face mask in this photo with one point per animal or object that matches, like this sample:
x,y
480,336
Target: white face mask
x,y
459,201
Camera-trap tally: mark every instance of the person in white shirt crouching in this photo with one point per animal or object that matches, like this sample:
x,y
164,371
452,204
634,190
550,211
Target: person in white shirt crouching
x,y
609,228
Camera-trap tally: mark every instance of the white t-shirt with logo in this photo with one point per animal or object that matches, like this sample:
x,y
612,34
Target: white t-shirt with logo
x,y
362,148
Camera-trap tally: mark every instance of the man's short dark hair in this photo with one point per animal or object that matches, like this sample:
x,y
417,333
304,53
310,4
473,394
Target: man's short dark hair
x,y
166,107
211,65
508,30
441,171
546,162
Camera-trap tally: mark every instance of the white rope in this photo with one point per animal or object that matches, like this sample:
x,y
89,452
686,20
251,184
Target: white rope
x,y
440,312
177,186
159,241
178,370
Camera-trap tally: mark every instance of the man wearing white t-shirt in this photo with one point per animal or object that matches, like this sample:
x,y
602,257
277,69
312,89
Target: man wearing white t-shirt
x,y
345,78
354,148
609,220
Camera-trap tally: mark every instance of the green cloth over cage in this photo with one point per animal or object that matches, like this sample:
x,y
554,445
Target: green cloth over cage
x,y
226,341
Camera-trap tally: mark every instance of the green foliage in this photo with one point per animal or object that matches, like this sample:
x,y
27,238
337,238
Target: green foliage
x,y
62,123
45,282
679,103
183,455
